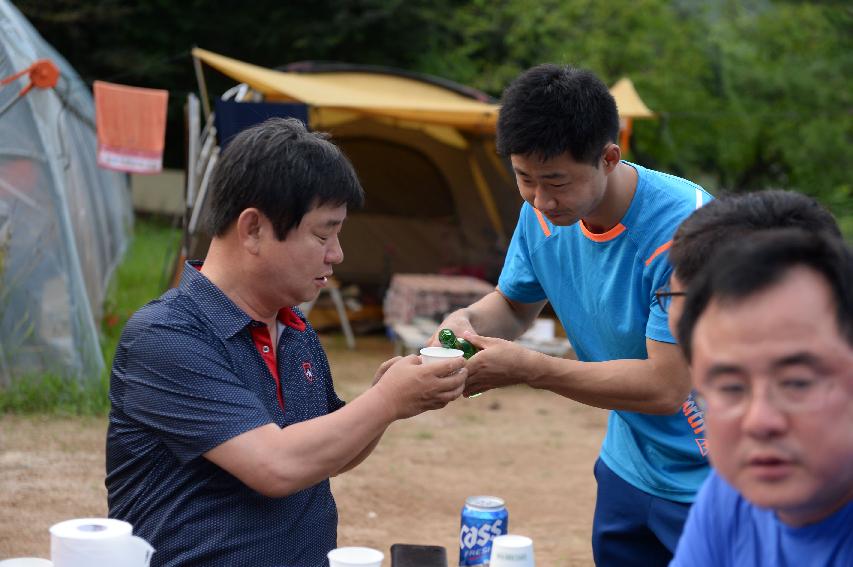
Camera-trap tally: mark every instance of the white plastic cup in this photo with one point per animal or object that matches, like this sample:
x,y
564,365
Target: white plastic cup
x,y
512,551
355,557
26,562
434,354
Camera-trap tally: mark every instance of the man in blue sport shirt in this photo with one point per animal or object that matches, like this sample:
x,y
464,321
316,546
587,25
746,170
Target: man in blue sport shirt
x,y
768,327
225,426
591,239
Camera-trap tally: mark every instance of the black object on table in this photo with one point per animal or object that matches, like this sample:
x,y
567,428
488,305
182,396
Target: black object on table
x,y
408,555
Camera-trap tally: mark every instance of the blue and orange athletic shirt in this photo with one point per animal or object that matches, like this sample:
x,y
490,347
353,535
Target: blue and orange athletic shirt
x,y
602,288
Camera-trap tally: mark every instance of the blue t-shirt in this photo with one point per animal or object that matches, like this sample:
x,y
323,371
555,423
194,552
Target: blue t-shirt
x,y
724,529
602,286
187,376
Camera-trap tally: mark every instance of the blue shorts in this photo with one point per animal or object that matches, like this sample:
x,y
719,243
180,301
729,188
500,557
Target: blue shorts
x,y
632,527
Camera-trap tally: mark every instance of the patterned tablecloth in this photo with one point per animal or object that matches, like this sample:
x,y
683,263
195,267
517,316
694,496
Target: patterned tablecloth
x,y
416,303
429,296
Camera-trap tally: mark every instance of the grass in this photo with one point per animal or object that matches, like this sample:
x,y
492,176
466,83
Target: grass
x,y
55,394
143,275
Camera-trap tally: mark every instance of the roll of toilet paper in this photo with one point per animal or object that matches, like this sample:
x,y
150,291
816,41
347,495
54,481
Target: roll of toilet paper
x,y
97,542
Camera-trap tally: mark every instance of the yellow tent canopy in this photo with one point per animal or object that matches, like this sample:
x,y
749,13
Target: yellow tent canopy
x,y
390,96
439,197
628,102
366,93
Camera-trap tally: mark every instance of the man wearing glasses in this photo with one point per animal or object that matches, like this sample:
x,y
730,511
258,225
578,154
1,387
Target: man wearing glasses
x,y
729,218
768,328
591,240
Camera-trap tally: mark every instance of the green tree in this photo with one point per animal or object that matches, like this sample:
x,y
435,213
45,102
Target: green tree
x,y
749,94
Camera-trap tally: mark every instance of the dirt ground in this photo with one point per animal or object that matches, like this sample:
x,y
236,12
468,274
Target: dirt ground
x,y
534,449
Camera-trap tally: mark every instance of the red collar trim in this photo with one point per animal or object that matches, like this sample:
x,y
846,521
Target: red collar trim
x,y
288,317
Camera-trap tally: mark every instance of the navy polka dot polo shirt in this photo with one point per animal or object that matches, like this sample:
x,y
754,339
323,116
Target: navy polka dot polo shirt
x,y
188,376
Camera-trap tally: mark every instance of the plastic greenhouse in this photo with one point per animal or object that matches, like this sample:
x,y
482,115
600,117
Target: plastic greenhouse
x,y
64,223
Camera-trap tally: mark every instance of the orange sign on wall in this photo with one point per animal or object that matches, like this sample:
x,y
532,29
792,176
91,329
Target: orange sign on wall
x,y
131,124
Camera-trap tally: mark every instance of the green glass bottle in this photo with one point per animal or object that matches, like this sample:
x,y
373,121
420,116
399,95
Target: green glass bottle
x,y
448,339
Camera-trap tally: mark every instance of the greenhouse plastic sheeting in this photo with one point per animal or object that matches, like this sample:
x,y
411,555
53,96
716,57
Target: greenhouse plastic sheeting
x,y
64,223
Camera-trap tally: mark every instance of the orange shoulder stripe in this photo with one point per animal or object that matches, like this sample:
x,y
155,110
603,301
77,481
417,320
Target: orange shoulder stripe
x,y
661,249
542,222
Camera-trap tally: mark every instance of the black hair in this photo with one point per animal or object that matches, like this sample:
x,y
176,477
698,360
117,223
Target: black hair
x,y
742,269
284,171
550,109
735,217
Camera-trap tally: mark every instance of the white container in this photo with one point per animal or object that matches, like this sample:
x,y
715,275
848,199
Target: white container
x,y
433,354
512,551
355,557
26,562
97,542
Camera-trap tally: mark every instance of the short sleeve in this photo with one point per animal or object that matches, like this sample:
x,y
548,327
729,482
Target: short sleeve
x,y
518,280
179,383
657,327
334,403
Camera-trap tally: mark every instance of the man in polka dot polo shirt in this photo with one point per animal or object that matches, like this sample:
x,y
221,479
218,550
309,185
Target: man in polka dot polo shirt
x,y
225,426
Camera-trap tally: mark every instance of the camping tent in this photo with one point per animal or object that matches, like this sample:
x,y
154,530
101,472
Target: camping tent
x,y
63,221
438,196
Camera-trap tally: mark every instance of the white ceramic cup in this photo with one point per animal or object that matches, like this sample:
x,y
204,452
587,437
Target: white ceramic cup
x,y
26,562
355,557
512,551
433,354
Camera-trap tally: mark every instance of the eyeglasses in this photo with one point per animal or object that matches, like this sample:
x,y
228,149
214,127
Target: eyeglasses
x,y
664,296
730,398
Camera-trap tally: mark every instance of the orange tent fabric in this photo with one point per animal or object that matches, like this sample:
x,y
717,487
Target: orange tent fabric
x,y
131,124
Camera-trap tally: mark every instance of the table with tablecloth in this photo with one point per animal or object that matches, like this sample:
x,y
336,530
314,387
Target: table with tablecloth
x,y
429,296
416,303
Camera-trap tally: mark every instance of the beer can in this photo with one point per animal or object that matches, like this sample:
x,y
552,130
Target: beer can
x,y
483,518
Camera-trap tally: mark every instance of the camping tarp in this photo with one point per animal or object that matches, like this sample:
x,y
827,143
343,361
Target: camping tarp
x,y
373,94
63,221
438,196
